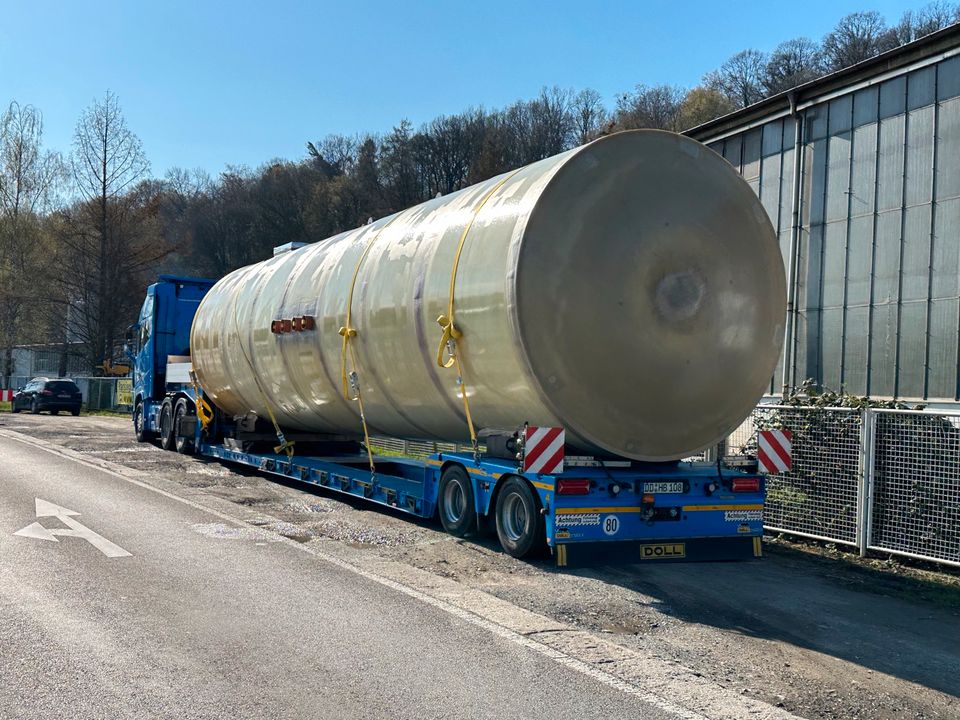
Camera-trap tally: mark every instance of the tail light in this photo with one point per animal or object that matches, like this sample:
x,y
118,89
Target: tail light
x,y
575,486
46,392
745,484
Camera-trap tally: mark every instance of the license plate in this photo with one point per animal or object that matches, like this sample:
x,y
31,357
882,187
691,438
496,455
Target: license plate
x,y
63,395
674,488
663,551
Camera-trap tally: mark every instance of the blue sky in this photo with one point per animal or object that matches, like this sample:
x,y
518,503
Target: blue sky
x,y
207,84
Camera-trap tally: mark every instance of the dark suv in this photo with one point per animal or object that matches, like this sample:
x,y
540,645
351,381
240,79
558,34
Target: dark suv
x,y
45,394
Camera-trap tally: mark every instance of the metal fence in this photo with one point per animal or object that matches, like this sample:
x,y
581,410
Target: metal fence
x,y
99,393
416,448
874,479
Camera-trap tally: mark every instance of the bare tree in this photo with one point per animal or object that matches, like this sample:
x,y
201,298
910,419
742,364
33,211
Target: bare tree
x,y
857,37
793,63
650,107
551,124
934,16
29,179
398,168
107,232
588,115
337,154
741,78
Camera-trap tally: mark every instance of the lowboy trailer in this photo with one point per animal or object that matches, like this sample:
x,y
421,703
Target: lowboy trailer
x,y
584,510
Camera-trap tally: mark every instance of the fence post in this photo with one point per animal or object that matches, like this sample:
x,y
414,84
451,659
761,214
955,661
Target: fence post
x,y
865,481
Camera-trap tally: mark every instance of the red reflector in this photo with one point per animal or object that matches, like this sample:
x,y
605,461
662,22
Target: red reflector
x,y
573,487
745,485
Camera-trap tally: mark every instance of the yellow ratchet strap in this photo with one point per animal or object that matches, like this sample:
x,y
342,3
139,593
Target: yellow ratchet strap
x,y
348,352
204,411
451,333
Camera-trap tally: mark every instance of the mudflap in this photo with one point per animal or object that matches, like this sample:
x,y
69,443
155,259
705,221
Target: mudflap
x,y
575,555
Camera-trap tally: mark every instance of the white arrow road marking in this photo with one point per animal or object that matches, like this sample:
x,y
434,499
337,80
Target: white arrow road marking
x,y
48,509
74,529
38,531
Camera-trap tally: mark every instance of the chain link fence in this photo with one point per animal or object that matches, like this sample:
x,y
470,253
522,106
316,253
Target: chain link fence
x,y
874,479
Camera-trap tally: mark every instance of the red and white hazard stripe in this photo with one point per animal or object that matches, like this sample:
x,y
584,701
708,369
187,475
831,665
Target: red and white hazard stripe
x,y
543,450
774,451
6,395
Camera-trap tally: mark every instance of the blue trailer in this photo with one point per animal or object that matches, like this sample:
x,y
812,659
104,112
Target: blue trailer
x,y
583,511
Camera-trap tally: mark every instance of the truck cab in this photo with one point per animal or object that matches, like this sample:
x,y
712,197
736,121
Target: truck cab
x,y
162,331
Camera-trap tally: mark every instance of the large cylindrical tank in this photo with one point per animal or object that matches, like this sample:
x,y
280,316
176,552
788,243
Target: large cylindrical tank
x,y
630,290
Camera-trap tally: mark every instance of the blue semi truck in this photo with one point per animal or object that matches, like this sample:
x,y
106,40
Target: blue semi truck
x,y
588,510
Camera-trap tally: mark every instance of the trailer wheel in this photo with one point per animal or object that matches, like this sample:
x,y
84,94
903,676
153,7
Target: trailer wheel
x,y
166,427
456,505
185,445
140,424
520,525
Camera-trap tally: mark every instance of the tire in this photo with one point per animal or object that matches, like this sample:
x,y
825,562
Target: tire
x,y
184,445
520,525
54,412
166,427
34,407
140,425
75,412
13,407
458,513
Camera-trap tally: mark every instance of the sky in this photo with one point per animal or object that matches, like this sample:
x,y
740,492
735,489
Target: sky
x,y
209,84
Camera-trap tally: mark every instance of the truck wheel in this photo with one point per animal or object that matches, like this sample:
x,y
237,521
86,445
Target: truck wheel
x,y
140,424
166,427
458,513
185,445
520,526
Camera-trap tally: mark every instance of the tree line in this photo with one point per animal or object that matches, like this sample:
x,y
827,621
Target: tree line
x,y
82,234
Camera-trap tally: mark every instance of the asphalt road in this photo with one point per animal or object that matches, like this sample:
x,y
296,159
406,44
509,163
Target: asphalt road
x,y
204,619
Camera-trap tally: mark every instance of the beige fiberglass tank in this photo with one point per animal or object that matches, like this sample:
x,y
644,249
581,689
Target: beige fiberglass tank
x,y
630,290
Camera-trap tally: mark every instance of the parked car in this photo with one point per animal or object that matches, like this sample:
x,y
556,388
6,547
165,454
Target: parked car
x,y
48,394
